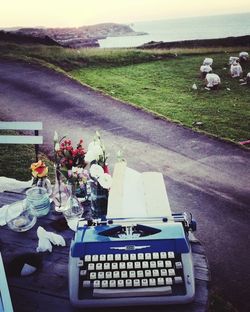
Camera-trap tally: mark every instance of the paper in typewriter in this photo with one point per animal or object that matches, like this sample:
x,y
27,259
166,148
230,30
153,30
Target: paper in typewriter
x,y
135,194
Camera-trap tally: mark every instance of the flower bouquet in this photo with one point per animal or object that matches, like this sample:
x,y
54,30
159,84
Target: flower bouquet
x,y
100,179
69,164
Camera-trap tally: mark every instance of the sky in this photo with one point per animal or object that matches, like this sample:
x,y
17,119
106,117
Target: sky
x,y
75,13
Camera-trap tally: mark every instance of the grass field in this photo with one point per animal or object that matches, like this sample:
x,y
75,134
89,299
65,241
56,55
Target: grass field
x,y
165,87
15,160
157,80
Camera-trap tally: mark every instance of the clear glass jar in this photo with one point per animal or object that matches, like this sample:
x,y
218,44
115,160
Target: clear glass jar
x,y
19,216
45,182
99,199
38,200
60,192
73,209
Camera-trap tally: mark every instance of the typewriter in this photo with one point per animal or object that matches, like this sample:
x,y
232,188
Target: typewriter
x,y
131,262
139,254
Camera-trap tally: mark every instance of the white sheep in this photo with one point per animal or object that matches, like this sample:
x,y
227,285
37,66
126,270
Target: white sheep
x,y
205,68
248,78
212,81
236,70
243,56
208,61
233,59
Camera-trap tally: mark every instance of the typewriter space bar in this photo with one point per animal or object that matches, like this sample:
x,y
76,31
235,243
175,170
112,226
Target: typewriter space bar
x,y
132,292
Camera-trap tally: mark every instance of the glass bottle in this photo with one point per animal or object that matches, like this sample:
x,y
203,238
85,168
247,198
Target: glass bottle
x,y
73,209
60,192
45,182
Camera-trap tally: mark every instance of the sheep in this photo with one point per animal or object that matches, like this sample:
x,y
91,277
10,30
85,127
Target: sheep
x,y
233,59
212,81
248,78
243,56
236,70
208,61
205,69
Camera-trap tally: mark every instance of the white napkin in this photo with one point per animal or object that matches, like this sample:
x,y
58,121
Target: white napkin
x,y
2,214
45,239
9,184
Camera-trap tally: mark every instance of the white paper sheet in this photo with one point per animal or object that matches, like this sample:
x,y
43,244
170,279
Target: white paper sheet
x,y
135,194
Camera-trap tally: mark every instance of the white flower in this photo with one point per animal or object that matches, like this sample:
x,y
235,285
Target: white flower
x,y
57,147
97,150
93,144
89,156
77,170
94,151
96,171
56,137
105,180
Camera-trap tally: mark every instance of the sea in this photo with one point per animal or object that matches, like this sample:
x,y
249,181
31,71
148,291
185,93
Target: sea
x,y
169,30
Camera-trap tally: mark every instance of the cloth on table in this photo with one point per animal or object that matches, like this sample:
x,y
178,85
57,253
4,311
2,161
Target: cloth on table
x,y
46,239
9,184
3,210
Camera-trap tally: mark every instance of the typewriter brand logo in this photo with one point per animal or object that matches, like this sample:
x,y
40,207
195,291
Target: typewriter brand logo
x,y
130,247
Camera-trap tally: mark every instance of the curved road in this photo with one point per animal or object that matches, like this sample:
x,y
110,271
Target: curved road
x,y
205,176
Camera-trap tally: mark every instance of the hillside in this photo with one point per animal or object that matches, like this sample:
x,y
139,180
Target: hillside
x,y
241,41
25,39
85,36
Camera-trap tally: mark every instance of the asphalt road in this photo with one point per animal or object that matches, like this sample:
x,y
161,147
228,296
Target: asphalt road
x,y
205,176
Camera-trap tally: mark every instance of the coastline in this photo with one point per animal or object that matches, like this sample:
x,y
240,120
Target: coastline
x,y
241,41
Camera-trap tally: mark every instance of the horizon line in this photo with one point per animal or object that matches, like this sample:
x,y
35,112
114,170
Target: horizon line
x,y
126,23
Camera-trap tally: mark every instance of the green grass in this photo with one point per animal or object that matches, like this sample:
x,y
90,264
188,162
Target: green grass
x,y
165,87
15,160
156,80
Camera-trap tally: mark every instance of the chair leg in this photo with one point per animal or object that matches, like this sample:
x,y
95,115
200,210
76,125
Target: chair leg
x,y
36,146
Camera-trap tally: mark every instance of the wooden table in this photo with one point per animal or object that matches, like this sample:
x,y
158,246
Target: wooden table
x,y
47,289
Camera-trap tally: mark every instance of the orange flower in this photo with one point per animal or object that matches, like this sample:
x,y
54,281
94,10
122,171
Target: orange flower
x,y
39,169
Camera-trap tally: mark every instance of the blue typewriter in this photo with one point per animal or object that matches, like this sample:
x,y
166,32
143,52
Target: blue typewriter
x,y
132,260
123,263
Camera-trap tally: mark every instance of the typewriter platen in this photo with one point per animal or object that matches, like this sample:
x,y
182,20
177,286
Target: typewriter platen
x,y
126,262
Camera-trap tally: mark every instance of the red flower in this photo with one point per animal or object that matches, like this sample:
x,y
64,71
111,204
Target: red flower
x,y
106,169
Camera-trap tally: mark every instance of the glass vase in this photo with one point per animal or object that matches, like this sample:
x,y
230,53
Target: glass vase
x,y
99,200
45,182
60,192
37,199
73,209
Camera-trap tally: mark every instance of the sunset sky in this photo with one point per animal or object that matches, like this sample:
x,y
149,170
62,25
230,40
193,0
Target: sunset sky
x,y
65,13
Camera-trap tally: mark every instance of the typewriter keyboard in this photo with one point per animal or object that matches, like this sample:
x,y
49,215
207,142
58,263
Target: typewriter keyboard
x,y
130,275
